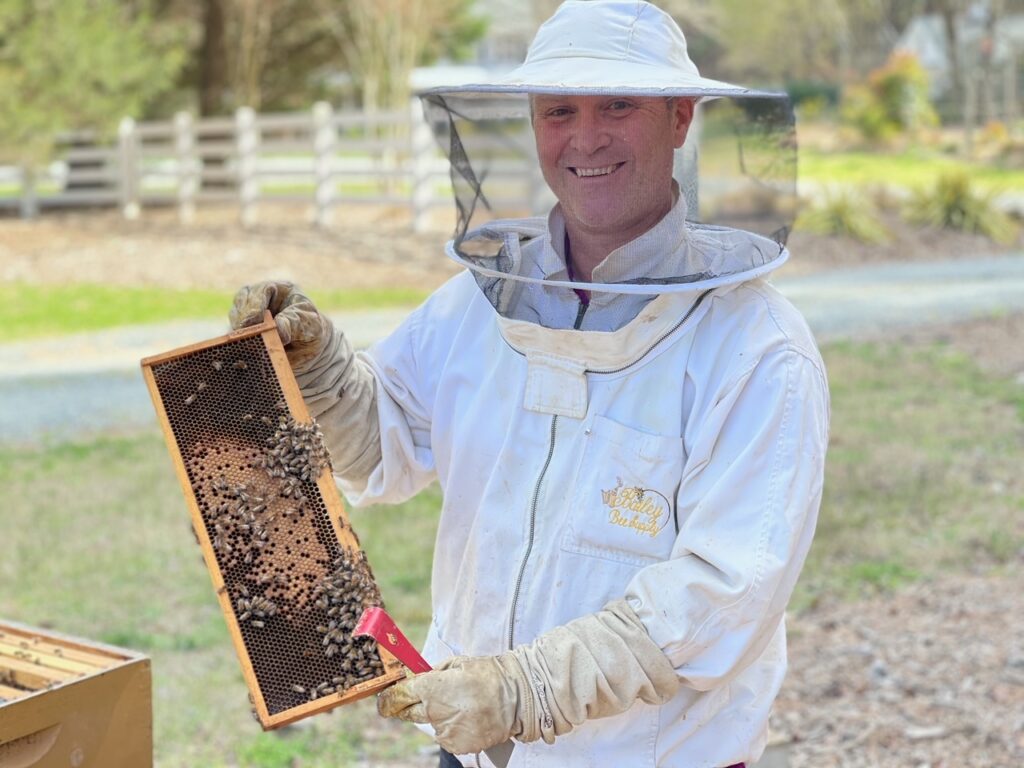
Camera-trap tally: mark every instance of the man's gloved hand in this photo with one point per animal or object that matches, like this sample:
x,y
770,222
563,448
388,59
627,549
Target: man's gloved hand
x,y
304,331
595,666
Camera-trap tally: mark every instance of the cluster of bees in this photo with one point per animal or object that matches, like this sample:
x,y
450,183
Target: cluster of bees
x,y
254,608
240,518
296,454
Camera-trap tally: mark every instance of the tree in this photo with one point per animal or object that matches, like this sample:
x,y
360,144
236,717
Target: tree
x,y
280,54
380,41
76,64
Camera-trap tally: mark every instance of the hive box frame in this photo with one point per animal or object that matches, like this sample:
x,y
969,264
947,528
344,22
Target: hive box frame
x,y
71,702
346,538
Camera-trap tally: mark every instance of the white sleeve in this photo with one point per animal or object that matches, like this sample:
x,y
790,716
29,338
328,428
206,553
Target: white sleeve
x,y
747,504
404,413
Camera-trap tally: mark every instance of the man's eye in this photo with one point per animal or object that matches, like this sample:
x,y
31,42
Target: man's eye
x,y
619,105
557,112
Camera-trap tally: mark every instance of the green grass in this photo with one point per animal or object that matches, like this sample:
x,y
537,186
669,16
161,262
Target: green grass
x,y
910,169
922,479
35,311
923,471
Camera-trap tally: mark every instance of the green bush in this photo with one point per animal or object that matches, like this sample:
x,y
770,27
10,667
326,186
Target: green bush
x,y
894,100
955,203
844,212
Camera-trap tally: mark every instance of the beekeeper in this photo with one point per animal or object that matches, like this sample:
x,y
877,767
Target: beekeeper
x,y
628,424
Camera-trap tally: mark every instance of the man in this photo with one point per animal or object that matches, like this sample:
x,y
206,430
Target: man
x,y
628,425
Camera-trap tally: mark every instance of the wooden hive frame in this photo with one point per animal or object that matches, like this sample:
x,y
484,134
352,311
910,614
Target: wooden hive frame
x,y
199,385
66,701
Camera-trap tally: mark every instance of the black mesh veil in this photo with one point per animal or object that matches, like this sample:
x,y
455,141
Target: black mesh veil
x,y
736,200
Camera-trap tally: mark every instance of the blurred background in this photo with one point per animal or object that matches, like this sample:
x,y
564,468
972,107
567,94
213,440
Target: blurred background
x,y
157,155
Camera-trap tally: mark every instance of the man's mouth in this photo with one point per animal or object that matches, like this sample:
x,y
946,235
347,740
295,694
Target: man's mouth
x,y
604,171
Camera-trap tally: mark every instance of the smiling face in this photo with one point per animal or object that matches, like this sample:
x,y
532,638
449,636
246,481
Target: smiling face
x,y
608,159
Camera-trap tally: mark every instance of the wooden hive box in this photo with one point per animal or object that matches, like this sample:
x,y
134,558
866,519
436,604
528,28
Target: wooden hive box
x,y
287,568
70,702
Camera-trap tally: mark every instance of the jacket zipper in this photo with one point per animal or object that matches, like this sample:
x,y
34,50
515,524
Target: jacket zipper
x,y
551,452
529,541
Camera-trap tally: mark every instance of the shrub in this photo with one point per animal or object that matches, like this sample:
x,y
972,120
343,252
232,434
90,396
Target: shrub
x,y
954,203
893,101
844,212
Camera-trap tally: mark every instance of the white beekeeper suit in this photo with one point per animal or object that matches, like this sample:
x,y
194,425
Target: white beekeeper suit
x,y
630,489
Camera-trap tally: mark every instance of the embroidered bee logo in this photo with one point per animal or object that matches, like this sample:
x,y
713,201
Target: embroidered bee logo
x,y
642,510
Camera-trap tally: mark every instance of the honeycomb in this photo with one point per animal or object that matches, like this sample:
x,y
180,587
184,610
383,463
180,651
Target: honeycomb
x,y
292,587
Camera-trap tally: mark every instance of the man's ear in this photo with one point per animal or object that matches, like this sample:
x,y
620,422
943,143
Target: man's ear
x,y
682,116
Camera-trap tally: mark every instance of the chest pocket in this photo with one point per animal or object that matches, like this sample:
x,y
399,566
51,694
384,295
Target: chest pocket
x,y
623,505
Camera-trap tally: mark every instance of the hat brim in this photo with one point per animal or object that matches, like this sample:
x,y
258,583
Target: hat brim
x,y
591,76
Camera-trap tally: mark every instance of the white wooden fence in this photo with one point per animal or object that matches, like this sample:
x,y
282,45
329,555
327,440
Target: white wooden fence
x,y
335,161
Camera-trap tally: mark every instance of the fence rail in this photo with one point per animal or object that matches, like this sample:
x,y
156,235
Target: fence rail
x,y
330,159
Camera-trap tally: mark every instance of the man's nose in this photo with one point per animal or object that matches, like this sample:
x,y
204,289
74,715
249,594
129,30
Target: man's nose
x,y
590,134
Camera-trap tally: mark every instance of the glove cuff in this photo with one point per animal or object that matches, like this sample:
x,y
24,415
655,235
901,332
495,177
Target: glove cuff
x,y
595,666
340,391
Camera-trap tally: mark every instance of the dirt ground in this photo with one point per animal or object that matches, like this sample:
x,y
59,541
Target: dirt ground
x,y
931,677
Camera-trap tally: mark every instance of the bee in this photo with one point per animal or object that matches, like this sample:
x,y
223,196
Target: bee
x,y
217,365
201,386
248,417
245,616
281,405
240,365
190,399
267,420
258,623
298,688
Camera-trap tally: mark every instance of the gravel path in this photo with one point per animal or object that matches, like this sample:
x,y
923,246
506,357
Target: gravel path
x,y
85,383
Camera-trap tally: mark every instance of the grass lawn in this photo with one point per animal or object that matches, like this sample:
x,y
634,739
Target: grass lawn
x,y
911,169
34,311
923,478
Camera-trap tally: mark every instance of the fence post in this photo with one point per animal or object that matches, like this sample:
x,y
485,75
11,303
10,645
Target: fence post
x,y
1010,92
29,200
325,142
970,112
247,143
188,166
128,161
421,152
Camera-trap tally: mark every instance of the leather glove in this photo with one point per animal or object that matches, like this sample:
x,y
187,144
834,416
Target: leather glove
x,y
304,331
339,389
595,666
